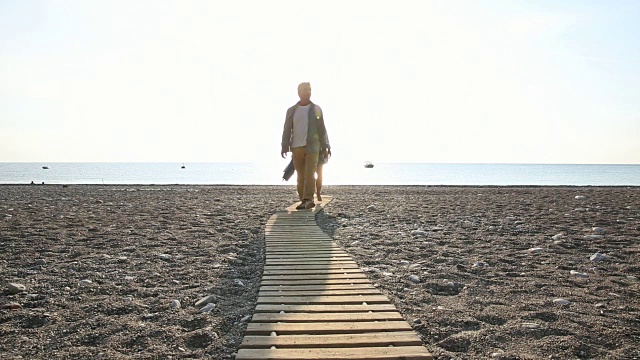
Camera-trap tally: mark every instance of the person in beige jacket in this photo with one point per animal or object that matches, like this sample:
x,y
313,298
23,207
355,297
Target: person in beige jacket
x,y
305,135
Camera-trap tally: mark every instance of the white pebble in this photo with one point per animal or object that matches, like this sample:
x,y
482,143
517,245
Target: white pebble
x,y
175,304
165,256
561,301
597,257
598,230
85,282
419,233
579,274
15,288
579,197
208,308
414,278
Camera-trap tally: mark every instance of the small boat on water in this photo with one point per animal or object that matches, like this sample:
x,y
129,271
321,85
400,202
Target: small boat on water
x,y
183,167
45,167
368,164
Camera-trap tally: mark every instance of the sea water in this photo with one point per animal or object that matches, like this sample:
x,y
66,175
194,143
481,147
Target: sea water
x,y
334,174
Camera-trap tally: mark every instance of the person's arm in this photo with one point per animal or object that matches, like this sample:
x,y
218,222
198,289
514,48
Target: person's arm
x,y
325,146
286,134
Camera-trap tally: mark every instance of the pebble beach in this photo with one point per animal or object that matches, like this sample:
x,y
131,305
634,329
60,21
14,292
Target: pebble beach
x,y
143,272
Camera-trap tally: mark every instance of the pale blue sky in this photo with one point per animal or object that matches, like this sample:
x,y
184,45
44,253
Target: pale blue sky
x,y
402,81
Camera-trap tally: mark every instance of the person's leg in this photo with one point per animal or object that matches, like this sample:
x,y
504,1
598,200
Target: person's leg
x,y
310,165
299,155
319,182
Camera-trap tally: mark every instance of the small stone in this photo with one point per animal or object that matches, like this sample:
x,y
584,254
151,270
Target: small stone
x,y
480,264
417,321
580,209
414,267
579,274
205,300
593,237
597,257
419,233
530,325
414,278
601,305
85,282
40,262
208,308
579,197
557,236
561,301
621,221
245,318
536,249
165,256
404,263
371,208
15,288
11,306
598,230
238,282
175,304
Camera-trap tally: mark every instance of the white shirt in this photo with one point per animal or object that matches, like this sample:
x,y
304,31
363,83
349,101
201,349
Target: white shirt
x,y
300,126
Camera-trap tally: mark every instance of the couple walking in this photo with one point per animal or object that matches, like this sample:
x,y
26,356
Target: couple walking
x,y
306,137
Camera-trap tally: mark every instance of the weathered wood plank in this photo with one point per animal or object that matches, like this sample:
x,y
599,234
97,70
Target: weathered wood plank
x,y
356,299
326,327
400,338
323,308
365,353
306,287
310,267
311,271
334,281
315,277
324,292
300,261
326,317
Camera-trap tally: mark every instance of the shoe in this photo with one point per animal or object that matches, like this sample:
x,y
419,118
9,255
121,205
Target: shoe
x,y
309,204
301,205
319,197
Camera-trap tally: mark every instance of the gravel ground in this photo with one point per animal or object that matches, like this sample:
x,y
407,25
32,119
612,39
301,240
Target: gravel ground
x,y
475,270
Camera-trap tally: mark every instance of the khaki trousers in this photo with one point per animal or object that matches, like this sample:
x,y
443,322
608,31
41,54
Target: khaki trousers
x,y
305,165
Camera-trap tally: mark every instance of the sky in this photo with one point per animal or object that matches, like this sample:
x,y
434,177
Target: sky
x,y
476,81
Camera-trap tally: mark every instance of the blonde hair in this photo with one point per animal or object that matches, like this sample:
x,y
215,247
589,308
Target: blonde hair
x,y
302,84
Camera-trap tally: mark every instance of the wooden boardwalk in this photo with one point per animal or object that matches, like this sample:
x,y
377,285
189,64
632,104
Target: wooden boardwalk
x,y
315,303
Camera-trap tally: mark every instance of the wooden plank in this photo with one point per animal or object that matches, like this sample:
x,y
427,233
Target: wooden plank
x,y
313,254
400,338
273,262
315,277
355,299
317,287
310,267
312,272
364,353
326,317
340,254
326,327
323,308
326,292
276,282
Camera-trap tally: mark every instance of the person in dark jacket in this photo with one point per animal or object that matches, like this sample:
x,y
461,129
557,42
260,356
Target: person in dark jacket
x,y
305,135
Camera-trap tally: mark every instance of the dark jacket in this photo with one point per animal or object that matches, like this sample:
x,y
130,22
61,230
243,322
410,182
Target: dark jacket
x,y
317,138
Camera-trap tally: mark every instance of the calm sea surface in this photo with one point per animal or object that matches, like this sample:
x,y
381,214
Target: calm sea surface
x,y
335,174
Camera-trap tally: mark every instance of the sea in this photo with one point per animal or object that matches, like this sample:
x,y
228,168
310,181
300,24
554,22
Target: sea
x,y
160,173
